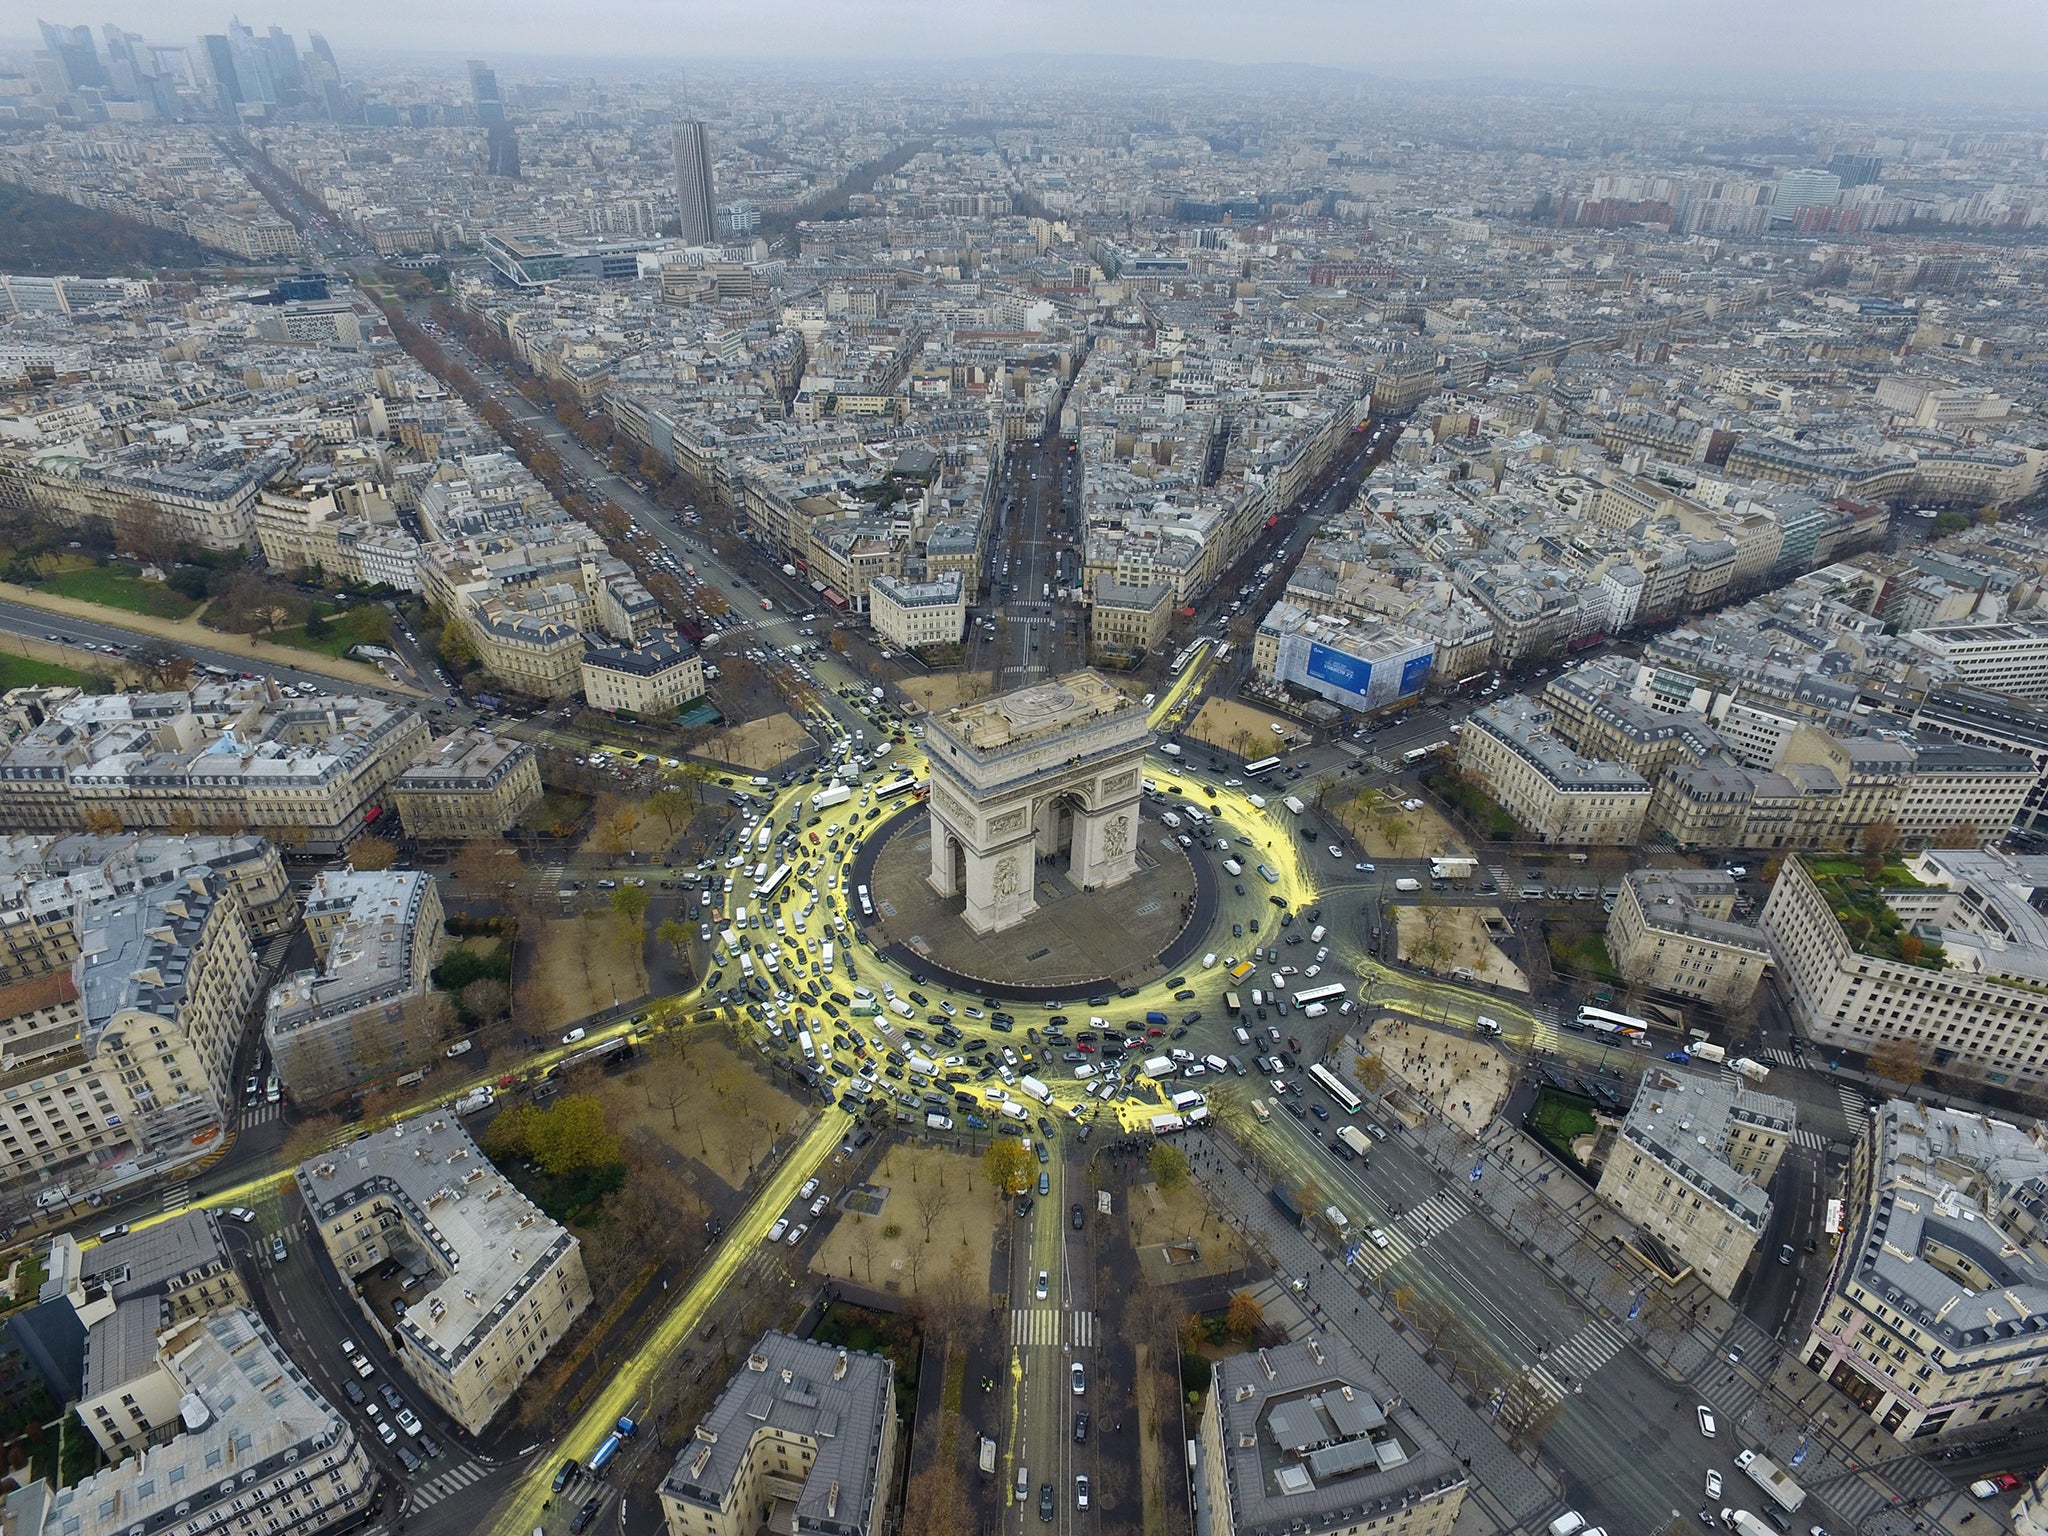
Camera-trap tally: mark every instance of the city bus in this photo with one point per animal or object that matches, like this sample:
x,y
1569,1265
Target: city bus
x,y
897,786
1603,1022
765,891
1333,1085
1180,662
1325,994
1263,766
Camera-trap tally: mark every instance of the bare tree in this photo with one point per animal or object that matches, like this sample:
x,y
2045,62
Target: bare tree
x,y
867,1240
931,1202
668,1088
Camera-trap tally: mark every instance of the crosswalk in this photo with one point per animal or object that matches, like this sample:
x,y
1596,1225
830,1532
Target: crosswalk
x,y
1439,1213
1564,1370
1041,1328
1588,1349
1777,1055
1853,1108
177,1196
454,1480
260,1114
1813,1141
1544,1035
1375,1259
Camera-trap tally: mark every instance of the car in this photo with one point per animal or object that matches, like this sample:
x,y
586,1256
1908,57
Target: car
x,y
1785,1254
1080,1426
1336,852
1024,1205
242,1213
430,1447
1044,1180
797,1233
1045,1502
1379,1238
277,1250
1377,1131
584,1516
386,1433
1080,1490
574,1035
1713,1484
412,1463
390,1395
1365,868
1707,1426
354,1392
361,1365
775,1232
1079,1373
1075,1216
1044,1284
2006,1481
1319,1112
808,1189
409,1421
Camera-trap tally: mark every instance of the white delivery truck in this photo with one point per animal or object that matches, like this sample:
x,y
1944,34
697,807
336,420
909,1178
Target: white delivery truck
x,y
804,1044
1776,1483
825,954
1355,1139
1701,1050
1293,803
1233,866
1036,1089
1158,1068
1186,1100
899,1005
1755,1071
834,793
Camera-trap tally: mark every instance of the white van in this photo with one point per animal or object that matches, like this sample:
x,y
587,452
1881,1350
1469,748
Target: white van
x,y
1209,961
1258,998
1233,866
1315,934
825,955
902,1006
747,966
1316,1010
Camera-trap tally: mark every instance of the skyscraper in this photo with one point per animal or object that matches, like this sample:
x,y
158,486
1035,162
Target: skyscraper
x,y
502,140
1801,190
227,85
75,55
695,205
483,94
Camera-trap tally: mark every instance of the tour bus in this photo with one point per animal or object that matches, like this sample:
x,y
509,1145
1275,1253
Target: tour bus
x,y
1264,765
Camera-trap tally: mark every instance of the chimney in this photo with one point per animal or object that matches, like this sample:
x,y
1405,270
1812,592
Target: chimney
x,y
839,1367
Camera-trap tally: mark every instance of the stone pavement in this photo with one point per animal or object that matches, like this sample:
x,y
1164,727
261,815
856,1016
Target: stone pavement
x,y
1512,1486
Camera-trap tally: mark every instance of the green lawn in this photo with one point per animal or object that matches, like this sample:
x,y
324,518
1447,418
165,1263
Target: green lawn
x,y
1560,1117
336,642
1587,956
112,587
21,672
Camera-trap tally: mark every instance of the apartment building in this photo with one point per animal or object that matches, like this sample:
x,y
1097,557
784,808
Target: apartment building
x,y
1306,1439
1128,620
654,678
1559,796
377,936
914,614
469,783
2006,656
1935,1315
1673,931
1691,1165
1982,718
500,1280
236,1401
1970,989
231,756
804,1430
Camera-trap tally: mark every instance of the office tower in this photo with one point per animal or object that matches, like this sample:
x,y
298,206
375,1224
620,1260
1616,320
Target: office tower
x,y
252,64
227,85
324,53
1801,190
695,206
484,99
1857,170
502,140
283,56
75,55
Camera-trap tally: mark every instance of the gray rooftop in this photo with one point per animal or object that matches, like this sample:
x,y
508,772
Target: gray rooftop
x,y
836,1399
1313,1440
1683,1120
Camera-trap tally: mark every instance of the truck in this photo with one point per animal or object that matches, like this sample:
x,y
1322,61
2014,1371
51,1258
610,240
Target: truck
x,y
1232,1003
1036,1089
1701,1050
1743,1523
1285,1204
1158,1068
832,794
986,1459
1186,1100
918,1062
474,1100
1442,868
1776,1483
1355,1139
1293,803
1755,1071
1166,1125
766,606
1407,885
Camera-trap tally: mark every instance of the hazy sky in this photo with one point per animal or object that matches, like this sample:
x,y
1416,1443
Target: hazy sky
x,y
1574,38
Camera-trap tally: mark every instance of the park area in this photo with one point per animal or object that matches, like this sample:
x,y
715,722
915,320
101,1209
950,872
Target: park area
x,y
758,745
1240,729
119,586
699,1103
1456,941
1566,1123
1378,824
925,1219
1466,1078
580,966
1177,1236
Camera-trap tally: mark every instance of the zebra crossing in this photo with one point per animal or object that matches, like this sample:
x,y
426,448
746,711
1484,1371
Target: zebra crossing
x,y
1777,1055
1544,1035
177,1196
1586,1351
1854,1109
1374,1260
1040,1328
1813,1141
260,1114
454,1480
1439,1213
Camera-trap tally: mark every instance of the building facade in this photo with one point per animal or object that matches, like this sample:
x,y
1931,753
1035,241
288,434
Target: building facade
x,y
1559,796
1673,932
470,783
1935,1315
804,1431
912,615
654,678
500,1280
1691,1166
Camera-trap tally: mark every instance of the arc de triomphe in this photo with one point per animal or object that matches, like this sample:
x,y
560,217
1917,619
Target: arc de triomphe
x,y
1018,777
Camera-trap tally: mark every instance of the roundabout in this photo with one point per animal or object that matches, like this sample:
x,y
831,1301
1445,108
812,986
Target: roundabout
x,y
1075,941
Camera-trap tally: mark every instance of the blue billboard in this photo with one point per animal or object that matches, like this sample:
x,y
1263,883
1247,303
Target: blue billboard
x,y
1351,673
1415,675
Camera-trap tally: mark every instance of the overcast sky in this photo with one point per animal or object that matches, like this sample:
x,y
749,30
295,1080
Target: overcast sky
x,y
1590,39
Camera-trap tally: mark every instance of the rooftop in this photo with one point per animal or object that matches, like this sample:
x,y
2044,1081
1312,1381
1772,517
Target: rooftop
x,y
1035,713
1683,1120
